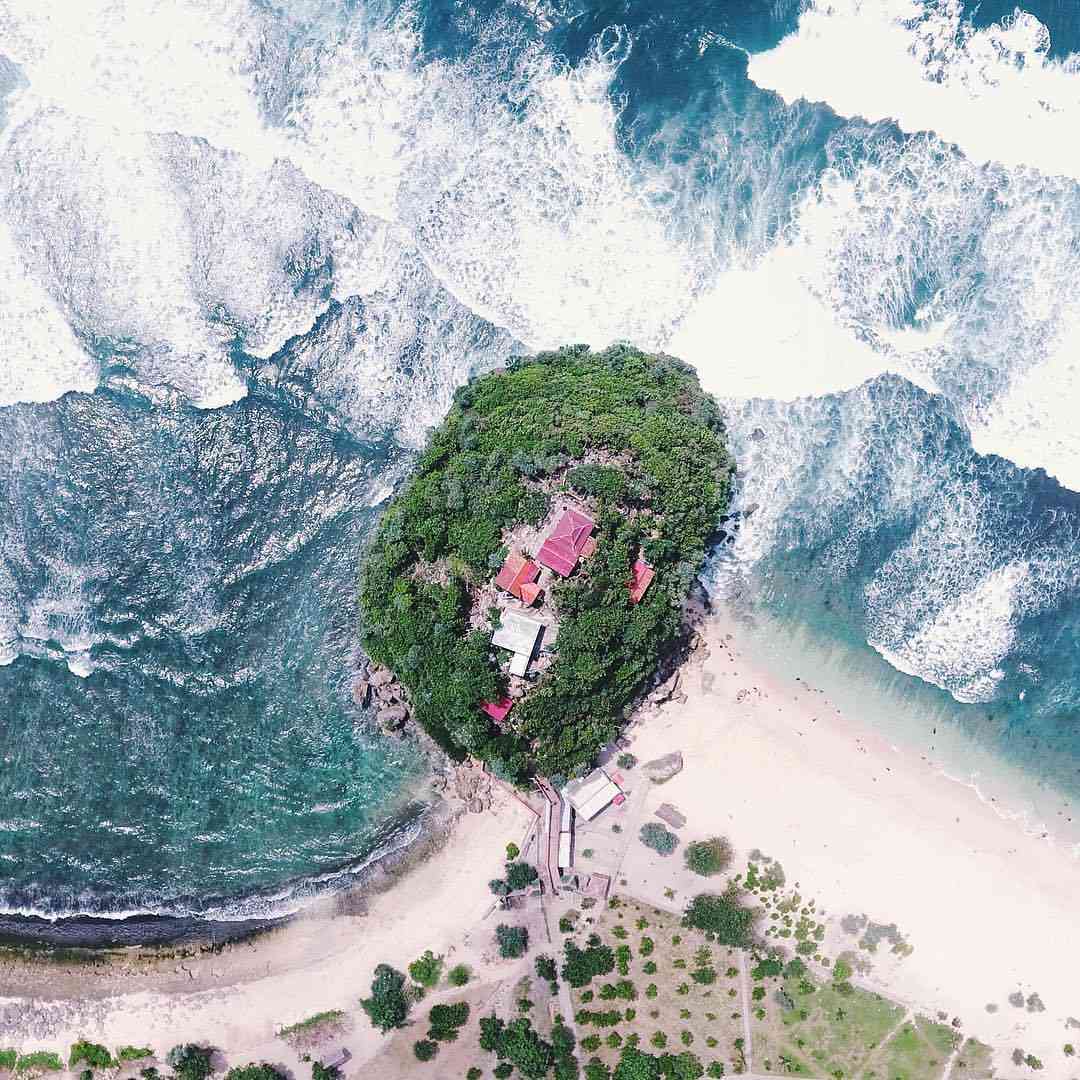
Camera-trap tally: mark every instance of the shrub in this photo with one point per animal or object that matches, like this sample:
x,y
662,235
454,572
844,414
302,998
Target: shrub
x,y
425,1049
133,1053
722,916
597,1070
708,857
39,1061
388,1006
459,975
499,886
519,1044
8,1059
474,1073
705,976
591,1043
427,971
622,959
659,1040
626,761
512,851
651,990
261,1071
190,1062
94,1054
546,968
319,1071
715,1070
86,1074
654,835
646,946
501,1072
512,941
649,967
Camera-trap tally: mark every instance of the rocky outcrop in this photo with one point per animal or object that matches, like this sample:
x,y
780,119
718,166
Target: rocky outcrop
x,y
667,813
376,686
663,768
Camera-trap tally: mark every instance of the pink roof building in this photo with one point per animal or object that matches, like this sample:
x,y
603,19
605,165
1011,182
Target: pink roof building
x,y
569,541
497,710
517,577
639,584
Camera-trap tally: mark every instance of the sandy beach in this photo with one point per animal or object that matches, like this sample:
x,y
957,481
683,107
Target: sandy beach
x,y
860,825
868,829
316,963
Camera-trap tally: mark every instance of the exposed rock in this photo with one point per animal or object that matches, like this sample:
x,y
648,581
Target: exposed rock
x,y
380,677
665,690
476,806
361,691
667,812
663,768
393,715
388,692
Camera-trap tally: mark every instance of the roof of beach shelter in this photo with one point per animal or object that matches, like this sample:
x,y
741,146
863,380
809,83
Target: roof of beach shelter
x,y
642,579
589,795
517,632
497,710
561,550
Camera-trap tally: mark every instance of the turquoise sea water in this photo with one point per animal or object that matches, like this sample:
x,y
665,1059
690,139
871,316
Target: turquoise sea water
x,y
253,248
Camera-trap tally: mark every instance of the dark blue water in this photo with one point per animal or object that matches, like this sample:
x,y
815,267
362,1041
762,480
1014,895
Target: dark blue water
x,y
275,263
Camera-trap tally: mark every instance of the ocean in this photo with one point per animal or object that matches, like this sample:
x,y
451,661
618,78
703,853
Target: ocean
x,y
252,249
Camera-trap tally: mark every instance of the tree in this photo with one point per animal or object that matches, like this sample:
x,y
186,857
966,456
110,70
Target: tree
x,y
446,1019
425,1049
319,1071
427,970
655,836
512,851
582,965
189,1061
626,761
519,875
459,975
723,916
512,941
388,1006
708,857
546,969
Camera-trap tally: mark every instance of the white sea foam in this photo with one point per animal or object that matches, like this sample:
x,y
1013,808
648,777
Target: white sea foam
x,y
994,92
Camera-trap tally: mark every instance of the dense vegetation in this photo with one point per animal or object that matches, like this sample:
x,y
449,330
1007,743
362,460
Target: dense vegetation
x,y
388,1005
511,439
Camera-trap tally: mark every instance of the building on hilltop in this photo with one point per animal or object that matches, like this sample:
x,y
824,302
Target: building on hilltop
x,y
570,540
642,579
520,634
518,577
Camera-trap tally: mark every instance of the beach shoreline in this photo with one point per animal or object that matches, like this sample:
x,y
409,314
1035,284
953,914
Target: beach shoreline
x,y
869,829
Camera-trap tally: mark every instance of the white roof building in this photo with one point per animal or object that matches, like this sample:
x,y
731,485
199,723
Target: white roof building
x,y
518,633
589,795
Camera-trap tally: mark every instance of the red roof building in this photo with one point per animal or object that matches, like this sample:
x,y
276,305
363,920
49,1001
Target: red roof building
x,y
569,541
643,575
517,577
497,710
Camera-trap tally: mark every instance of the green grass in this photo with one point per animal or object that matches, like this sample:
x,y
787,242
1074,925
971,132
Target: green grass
x,y
918,1051
973,1062
306,1027
8,1059
839,1031
40,1061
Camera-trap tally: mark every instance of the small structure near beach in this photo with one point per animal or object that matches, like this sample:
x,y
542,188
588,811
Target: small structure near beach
x,y
589,795
520,634
570,540
518,577
497,710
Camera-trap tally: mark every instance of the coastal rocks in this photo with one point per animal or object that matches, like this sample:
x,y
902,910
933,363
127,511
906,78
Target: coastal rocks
x,y
473,787
666,690
376,686
663,768
667,813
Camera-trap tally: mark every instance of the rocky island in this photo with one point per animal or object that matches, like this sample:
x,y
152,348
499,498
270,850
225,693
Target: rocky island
x,y
527,583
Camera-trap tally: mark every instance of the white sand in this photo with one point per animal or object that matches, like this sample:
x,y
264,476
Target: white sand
x,y
865,828
311,966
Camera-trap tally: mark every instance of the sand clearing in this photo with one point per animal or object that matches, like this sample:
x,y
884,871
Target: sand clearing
x,y
313,965
869,830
